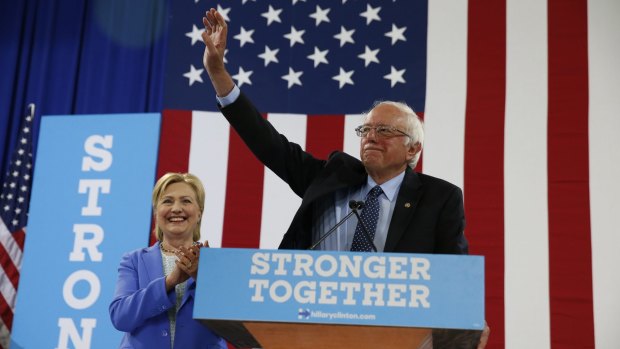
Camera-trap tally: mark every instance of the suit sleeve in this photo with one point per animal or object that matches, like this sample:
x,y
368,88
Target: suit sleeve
x,y
451,238
286,159
132,305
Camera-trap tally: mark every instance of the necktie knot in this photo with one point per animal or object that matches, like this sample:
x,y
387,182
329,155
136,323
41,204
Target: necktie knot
x,y
374,192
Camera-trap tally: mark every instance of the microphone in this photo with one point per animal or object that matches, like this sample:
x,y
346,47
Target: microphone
x,y
354,206
361,204
358,205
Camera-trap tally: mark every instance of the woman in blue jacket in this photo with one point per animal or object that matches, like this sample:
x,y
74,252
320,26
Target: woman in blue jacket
x,y
154,297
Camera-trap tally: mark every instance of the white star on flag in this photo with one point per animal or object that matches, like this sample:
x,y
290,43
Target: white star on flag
x,y
243,77
269,55
244,36
223,12
345,36
343,78
396,34
292,77
320,15
395,76
371,14
194,74
318,56
369,56
195,34
295,36
272,15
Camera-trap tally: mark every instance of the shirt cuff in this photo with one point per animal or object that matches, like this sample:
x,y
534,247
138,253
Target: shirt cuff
x,y
230,97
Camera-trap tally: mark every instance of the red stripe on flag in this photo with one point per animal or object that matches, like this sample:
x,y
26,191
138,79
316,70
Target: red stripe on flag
x,y
324,134
6,312
484,151
174,143
570,259
19,237
244,196
10,270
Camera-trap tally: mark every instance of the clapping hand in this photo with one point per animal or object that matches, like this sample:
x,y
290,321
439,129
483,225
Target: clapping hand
x,y
186,265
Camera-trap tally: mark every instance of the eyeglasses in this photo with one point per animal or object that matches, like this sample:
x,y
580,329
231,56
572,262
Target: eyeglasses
x,y
381,131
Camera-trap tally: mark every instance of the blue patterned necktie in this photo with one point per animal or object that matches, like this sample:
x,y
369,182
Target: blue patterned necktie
x,y
370,216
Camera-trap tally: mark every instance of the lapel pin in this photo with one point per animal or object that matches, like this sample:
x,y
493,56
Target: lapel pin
x,y
407,204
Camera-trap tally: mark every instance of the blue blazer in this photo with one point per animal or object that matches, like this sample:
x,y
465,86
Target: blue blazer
x,y
140,306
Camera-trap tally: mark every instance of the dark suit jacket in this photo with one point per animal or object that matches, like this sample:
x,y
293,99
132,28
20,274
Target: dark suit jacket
x,y
428,216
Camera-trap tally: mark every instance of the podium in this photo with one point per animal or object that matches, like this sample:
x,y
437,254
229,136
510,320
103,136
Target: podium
x,y
276,299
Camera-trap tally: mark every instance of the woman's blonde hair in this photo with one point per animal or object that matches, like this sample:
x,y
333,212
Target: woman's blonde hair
x,y
171,178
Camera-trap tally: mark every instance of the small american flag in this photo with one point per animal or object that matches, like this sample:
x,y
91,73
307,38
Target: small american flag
x,y
14,202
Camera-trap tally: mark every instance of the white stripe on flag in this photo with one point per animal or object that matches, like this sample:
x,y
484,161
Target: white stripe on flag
x,y
446,84
279,202
208,159
604,145
10,245
525,177
7,290
15,253
351,143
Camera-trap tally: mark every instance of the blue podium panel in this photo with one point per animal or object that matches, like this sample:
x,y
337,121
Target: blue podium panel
x,y
351,288
90,203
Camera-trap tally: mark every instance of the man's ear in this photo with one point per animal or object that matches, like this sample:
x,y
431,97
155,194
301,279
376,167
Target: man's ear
x,y
413,150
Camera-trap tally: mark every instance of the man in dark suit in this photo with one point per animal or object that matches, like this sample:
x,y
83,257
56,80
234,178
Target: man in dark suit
x,y
413,212
405,211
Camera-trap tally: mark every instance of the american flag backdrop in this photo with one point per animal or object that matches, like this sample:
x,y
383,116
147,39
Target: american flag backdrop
x,y
518,99
14,200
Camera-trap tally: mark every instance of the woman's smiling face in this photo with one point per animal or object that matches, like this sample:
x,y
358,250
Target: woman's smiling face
x,y
178,213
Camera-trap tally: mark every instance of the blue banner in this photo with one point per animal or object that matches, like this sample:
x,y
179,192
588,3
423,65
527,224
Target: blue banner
x,y
374,289
90,204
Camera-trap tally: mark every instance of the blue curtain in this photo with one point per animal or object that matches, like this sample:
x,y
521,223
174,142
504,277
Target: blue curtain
x,y
78,57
